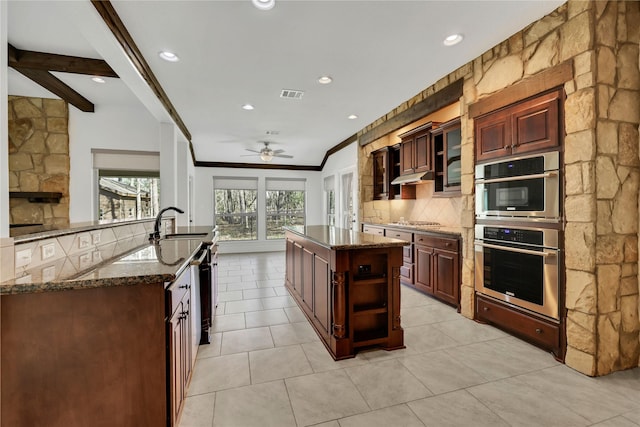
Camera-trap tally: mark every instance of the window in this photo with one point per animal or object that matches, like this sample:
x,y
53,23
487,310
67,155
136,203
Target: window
x,y
285,205
235,210
127,184
123,195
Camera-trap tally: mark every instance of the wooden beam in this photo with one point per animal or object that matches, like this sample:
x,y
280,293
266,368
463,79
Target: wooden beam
x,y
438,100
57,86
353,138
19,58
120,32
256,166
543,81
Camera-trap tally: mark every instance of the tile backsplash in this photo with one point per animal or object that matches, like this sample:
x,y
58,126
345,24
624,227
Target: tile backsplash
x,y
65,255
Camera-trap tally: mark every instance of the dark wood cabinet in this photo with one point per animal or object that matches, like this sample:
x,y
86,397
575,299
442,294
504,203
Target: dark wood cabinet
x,y
355,293
181,357
530,125
430,264
381,174
407,164
437,267
541,332
446,276
416,152
447,150
423,268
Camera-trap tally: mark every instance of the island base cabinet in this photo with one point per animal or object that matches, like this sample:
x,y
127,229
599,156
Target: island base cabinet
x,y
84,357
350,296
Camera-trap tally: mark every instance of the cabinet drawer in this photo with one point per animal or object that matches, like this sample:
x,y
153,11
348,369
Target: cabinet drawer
x,y
177,290
407,254
402,235
437,242
540,332
373,230
406,273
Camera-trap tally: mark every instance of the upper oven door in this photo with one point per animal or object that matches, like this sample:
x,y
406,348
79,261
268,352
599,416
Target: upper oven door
x,y
524,187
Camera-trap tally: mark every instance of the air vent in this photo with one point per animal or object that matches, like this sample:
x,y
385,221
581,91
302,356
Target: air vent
x,y
291,94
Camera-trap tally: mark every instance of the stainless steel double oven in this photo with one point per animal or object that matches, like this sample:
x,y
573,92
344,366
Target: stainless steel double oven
x,y
517,236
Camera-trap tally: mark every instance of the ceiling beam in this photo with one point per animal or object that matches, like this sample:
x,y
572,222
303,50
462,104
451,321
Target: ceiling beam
x,y
19,58
256,166
445,96
58,87
120,32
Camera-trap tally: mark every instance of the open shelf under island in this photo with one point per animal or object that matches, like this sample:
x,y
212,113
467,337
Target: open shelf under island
x,y
347,283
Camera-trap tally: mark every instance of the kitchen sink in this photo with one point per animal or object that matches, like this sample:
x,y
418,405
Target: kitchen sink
x,y
185,235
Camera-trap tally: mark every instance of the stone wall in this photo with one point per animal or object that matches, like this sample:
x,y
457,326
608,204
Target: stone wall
x,y
602,170
38,158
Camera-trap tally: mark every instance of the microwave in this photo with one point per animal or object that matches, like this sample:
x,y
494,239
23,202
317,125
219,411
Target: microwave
x,y
524,187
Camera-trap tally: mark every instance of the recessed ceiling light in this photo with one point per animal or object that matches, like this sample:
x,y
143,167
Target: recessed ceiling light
x,y
169,56
352,117
247,107
264,4
453,39
325,80
98,79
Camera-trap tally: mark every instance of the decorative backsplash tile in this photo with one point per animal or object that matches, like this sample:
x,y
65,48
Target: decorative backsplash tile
x,y
72,253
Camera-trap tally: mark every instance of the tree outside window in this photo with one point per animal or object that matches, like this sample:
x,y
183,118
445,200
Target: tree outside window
x,y
284,207
236,214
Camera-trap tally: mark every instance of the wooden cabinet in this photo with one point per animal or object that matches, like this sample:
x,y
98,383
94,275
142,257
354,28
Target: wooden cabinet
x,y
530,125
447,150
437,267
381,174
416,150
181,357
541,332
351,296
372,229
431,263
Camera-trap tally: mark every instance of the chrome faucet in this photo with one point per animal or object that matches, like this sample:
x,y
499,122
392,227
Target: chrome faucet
x,y
155,236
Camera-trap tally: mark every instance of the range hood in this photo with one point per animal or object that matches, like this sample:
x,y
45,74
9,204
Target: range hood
x,y
413,178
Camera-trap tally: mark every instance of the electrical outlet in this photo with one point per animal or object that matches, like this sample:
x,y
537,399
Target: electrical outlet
x,y
23,258
49,273
95,237
48,251
85,260
83,241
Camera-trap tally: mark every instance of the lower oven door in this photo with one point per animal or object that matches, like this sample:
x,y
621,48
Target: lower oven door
x,y
525,277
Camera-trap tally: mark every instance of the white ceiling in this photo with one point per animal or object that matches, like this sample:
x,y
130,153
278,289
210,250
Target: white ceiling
x,y
379,54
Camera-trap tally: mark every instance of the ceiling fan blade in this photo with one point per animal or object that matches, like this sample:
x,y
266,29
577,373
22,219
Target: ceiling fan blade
x,y
284,156
253,151
278,151
249,155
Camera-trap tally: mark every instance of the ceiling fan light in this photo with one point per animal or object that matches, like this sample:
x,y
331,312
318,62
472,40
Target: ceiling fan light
x,y
264,4
266,157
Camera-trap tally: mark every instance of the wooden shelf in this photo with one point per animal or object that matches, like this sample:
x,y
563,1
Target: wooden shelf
x,y
369,337
364,309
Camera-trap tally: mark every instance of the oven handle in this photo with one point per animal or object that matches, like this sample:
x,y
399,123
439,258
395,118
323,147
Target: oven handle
x,y
521,251
517,178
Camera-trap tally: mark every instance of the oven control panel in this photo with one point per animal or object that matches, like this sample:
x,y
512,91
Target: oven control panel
x,y
531,237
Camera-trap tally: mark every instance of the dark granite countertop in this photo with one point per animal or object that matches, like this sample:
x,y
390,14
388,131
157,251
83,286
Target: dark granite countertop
x,y
340,238
133,262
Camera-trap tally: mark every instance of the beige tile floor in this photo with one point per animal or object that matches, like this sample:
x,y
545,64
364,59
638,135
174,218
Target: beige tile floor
x,y
266,367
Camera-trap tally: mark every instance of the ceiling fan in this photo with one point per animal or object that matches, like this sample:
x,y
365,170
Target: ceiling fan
x,y
266,153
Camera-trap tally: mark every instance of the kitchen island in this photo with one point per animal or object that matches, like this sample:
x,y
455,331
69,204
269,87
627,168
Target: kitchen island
x,y
112,344
347,283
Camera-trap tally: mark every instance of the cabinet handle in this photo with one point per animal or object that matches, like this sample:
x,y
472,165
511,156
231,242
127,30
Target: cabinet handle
x,y
184,286
485,308
538,331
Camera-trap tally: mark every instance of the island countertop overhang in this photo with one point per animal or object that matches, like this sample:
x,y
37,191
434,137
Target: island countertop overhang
x,y
342,239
